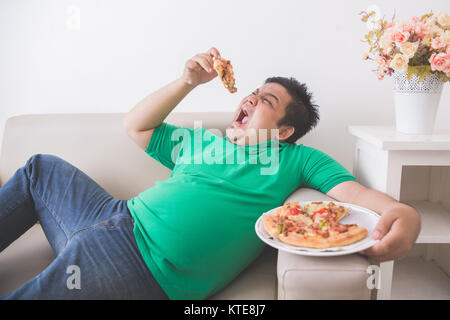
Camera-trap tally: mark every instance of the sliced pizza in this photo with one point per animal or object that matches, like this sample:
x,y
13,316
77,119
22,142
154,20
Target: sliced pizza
x,y
225,72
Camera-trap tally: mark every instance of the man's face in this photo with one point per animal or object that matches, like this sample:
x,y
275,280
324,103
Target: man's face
x,y
261,110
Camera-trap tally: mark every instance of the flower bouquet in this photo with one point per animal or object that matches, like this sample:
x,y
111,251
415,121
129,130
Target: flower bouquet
x,y
416,53
419,46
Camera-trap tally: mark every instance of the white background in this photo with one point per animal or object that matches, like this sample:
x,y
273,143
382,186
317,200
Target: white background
x,y
124,50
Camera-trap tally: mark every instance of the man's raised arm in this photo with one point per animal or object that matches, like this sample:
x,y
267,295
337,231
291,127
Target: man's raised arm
x,y
151,111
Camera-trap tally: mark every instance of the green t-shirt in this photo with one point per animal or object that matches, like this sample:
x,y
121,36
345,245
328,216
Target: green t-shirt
x,y
196,230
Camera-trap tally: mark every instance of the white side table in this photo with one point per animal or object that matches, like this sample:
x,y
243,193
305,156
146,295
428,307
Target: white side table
x,y
381,156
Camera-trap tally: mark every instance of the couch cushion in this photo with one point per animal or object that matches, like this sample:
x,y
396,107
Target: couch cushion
x,y
24,259
318,278
257,282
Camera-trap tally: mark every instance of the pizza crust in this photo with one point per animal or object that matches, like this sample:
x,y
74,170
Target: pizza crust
x,y
307,241
270,225
354,234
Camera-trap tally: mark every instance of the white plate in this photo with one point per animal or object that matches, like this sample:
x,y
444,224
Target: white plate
x,y
361,216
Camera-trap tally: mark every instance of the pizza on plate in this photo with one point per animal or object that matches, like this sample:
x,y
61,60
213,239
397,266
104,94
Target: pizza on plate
x,y
314,226
225,72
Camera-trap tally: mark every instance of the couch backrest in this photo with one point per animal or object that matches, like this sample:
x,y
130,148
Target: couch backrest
x,y
95,143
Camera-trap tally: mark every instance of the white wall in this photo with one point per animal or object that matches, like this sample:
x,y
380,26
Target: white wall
x,y
124,49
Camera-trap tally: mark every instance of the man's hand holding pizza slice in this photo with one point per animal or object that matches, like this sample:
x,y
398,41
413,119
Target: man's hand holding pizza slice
x,y
204,67
200,68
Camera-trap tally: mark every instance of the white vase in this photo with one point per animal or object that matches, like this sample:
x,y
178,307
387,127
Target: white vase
x,y
416,103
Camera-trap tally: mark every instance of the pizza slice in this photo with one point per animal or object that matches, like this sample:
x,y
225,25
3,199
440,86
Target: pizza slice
x,y
225,72
290,212
323,235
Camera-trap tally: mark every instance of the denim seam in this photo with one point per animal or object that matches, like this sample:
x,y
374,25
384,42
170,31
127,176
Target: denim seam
x,y
90,227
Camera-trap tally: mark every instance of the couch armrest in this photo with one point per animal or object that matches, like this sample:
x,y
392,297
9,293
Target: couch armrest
x,y
316,278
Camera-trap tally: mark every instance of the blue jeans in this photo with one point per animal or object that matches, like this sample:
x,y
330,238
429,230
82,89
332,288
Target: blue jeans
x,y
90,232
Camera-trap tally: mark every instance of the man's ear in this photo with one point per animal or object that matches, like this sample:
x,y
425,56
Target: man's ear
x,y
285,132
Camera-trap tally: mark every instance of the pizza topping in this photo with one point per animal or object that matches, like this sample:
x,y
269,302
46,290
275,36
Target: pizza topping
x,y
280,227
316,221
311,232
339,227
323,210
322,225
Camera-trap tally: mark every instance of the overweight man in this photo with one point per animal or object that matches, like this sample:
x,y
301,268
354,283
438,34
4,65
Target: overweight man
x,y
189,236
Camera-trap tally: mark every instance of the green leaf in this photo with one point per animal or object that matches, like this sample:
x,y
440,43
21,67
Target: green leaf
x,y
441,75
420,71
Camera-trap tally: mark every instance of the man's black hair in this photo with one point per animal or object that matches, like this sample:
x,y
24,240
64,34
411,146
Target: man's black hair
x,y
301,113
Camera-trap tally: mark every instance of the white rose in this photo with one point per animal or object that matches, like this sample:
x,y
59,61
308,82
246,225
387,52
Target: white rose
x,y
386,43
443,18
446,37
400,62
409,49
437,31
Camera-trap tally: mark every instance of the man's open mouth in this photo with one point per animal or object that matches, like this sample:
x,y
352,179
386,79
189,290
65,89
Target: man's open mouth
x,y
242,118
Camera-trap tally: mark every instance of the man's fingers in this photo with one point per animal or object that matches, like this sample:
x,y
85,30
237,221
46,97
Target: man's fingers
x,y
385,249
383,226
204,62
213,52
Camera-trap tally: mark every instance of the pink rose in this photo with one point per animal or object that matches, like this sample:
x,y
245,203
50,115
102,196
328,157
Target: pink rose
x,y
447,50
439,61
421,30
406,26
437,43
399,37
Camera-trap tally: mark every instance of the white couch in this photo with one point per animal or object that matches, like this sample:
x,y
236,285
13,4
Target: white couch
x,y
98,145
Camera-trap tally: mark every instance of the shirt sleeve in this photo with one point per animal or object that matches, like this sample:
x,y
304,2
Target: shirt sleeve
x,y
165,143
321,172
